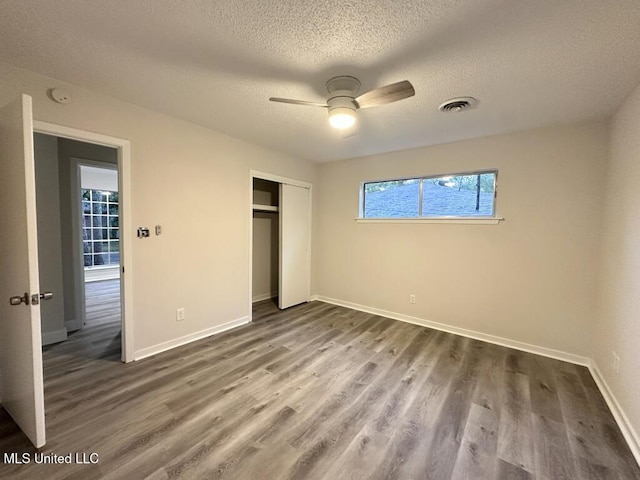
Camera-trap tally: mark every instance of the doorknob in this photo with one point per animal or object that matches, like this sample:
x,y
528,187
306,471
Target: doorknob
x,y
18,300
36,297
33,300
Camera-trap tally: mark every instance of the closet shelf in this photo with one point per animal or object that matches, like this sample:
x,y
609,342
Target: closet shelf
x,y
265,208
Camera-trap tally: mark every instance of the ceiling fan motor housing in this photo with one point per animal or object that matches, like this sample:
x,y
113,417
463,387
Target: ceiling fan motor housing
x,y
342,102
342,90
343,83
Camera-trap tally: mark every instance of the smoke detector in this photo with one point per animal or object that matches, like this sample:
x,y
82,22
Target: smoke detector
x,y
60,96
458,104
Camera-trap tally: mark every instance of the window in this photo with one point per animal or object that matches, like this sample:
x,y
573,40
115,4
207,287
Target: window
x,y
445,196
100,228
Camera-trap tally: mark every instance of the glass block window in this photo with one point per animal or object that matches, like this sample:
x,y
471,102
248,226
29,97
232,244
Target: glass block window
x,y
100,228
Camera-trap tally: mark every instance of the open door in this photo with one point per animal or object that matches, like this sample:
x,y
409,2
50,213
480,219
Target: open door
x,y
295,264
21,384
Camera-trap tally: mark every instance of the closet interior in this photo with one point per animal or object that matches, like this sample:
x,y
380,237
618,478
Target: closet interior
x,y
266,234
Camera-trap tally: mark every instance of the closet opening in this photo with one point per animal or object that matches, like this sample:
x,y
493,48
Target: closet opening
x,y
280,240
266,235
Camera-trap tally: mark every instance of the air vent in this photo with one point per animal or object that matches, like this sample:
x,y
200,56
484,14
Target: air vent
x,y
458,104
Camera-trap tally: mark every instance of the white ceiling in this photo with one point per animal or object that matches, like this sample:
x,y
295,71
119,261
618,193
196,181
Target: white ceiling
x,y
216,63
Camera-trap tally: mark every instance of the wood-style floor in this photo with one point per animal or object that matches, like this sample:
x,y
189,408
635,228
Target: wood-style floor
x,y
322,392
102,302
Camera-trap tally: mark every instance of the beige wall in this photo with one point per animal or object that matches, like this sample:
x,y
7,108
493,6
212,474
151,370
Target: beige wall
x,y
531,279
618,320
192,181
49,237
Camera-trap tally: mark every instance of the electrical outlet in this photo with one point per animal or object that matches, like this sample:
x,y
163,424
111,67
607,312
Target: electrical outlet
x,y
412,298
179,314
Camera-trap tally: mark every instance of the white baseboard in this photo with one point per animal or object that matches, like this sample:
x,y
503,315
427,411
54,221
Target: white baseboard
x,y
263,296
163,347
630,435
55,336
73,325
505,342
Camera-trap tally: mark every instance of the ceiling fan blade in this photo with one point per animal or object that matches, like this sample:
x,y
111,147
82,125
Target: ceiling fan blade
x,y
387,94
298,102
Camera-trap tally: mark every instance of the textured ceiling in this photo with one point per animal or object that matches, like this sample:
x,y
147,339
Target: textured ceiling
x,y
216,63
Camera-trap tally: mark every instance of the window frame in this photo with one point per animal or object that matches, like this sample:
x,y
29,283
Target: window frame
x,y
92,227
493,218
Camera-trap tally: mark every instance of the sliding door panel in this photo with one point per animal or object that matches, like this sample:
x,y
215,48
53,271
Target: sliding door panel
x,y
295,231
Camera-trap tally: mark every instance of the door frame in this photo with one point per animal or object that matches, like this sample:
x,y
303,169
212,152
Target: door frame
x,y
123,148
278,179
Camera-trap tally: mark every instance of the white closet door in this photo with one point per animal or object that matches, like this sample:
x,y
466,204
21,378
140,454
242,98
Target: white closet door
x,y
295,262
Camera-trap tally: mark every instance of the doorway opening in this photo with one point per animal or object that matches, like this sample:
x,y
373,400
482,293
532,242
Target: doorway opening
x,y
89,262
77,205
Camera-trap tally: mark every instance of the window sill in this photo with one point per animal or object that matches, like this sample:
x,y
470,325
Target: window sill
x,y
449,220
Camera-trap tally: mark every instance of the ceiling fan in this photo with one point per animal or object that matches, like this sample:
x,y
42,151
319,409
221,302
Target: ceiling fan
x,y
343,103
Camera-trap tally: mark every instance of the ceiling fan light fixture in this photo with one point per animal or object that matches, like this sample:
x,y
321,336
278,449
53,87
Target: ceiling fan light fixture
x,y
342,117
342,102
